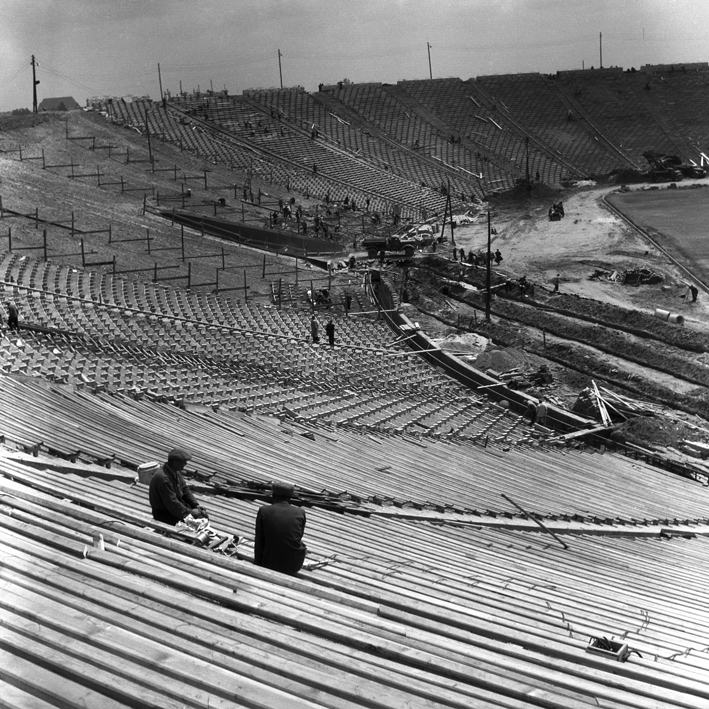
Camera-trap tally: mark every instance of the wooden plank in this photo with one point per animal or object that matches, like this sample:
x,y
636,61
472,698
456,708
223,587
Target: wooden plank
x,y
62,678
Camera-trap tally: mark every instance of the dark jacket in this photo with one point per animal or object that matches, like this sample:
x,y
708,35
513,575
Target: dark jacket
x,y
279,535
170,496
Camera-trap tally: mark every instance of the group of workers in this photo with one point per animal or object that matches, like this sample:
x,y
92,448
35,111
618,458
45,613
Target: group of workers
x,y
278,534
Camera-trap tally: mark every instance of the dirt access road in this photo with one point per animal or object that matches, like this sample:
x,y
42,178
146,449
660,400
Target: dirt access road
x,y
589,238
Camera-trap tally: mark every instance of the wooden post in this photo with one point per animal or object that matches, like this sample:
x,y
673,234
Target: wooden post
x,y
44,238
245,288
223,259
263,275
544,337
189,275
204,170
98,174
173,215
83,255
155,273
217,282
243,214
110,232
147,236
2,211
114,264
9,238
296,270
36,217
44,164
72,223
280,293
312,296
182,235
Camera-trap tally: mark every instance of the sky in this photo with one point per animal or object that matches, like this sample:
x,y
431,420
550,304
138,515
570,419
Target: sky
x,y
90,48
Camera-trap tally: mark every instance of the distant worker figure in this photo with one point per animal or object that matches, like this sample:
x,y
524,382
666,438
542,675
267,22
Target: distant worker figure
x,y
13,315
314,329
498,257
278,543
170,497
523,285
541,412
531,412
556,281
330,330
692,289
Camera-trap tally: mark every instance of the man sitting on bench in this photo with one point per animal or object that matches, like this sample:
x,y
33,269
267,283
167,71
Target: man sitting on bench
x,y
170,497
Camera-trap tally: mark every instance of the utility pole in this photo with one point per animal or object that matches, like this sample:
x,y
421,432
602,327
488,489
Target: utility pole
x,y
34,86
529,184
280,70
162,97
147,132
600,46
488,277
430,71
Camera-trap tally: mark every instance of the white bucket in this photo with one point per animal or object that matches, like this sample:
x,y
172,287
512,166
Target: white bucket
x,y
146,472
662,314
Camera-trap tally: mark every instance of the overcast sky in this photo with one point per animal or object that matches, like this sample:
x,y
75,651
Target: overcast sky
x,y
112,47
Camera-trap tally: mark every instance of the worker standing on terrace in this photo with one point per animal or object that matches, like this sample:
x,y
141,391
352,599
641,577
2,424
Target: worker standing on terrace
x,y
278,544
330,330
13,315
170,497
314,329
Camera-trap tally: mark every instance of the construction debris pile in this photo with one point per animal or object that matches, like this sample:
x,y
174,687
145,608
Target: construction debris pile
x,y
641,276
630,277
524,377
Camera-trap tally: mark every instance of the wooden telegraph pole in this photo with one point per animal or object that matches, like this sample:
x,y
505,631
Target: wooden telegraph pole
x,y
34,86
488,277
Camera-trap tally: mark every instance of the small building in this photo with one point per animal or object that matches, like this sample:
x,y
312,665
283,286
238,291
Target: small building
x,y
62,103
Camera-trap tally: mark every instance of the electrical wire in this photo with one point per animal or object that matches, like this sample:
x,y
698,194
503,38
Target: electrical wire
x,y
78,84
11,77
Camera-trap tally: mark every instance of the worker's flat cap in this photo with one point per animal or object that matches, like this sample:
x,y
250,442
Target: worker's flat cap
x,y
281,489
179,454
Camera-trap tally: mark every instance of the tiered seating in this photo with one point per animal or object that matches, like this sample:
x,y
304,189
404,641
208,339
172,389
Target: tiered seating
x,y
148,339
358,136
341,174
618,104
410,123
534,103
399,616
372,468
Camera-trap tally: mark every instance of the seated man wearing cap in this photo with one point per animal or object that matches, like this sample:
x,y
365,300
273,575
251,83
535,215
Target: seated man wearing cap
x,y
170,496
279,533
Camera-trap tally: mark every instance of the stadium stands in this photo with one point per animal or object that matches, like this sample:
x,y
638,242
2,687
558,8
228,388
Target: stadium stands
x,y
432,587
404,612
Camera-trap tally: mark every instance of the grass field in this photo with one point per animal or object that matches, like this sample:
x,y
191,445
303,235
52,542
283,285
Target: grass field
x,y
677,220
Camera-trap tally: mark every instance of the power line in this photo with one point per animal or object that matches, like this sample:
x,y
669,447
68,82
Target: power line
x,y
78,84
11,77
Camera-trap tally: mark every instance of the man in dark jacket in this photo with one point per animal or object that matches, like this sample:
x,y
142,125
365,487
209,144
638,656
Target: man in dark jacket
x,y
330,330
170,497
279,533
